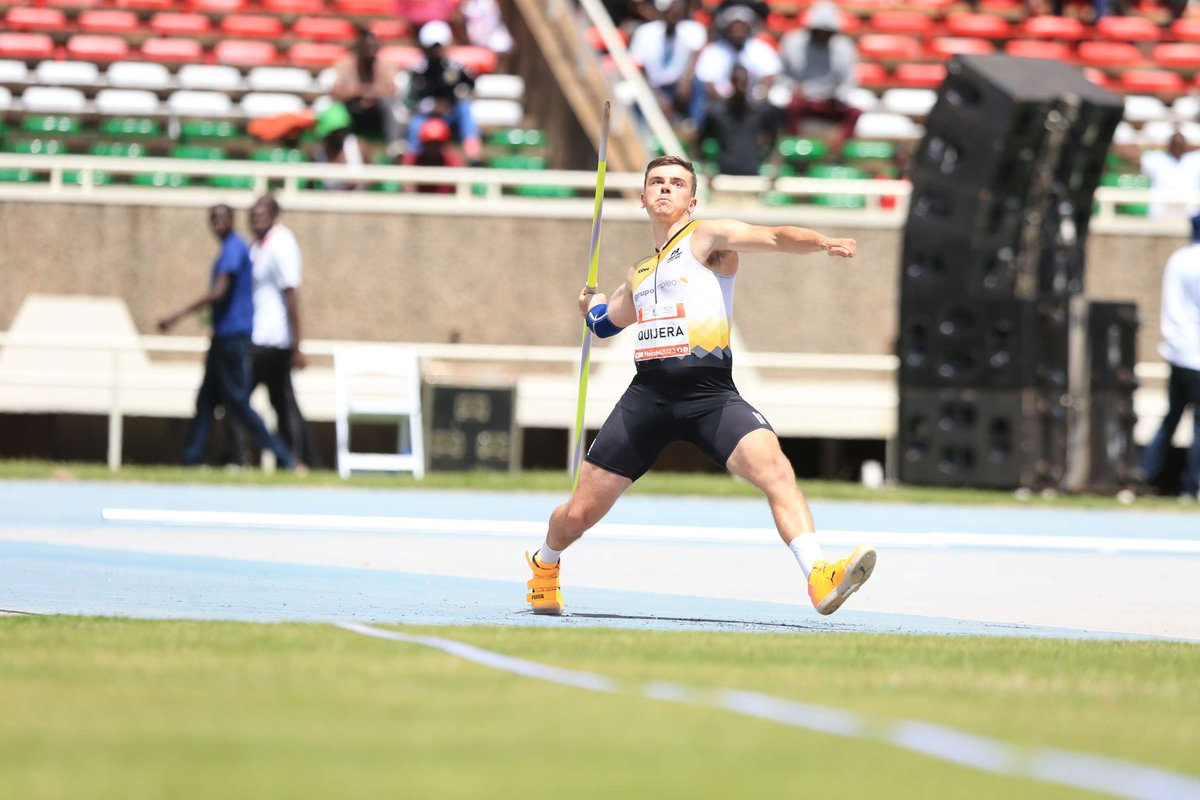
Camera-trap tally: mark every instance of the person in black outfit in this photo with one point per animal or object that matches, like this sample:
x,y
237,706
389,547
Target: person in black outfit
x,y
743,128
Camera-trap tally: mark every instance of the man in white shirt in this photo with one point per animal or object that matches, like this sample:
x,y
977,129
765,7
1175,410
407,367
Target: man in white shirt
x,y
1174,176
1180,347
736,45
664,48
275,349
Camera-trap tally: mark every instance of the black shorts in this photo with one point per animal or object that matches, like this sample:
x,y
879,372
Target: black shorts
x,y
698,405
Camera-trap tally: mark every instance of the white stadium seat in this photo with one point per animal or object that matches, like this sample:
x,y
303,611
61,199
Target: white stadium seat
x,y
218,77
188,103
5,98
326,79
1144,108
909,102
268,104
881,125
279,79
497,113
1125,134
500,87
1186,107
13,71
67,73
126,101
863,99
138,75
53,99
1160,131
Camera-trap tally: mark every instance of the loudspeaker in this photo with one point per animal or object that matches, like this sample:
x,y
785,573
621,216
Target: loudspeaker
x,y
1112,454
1112,346
998,439
994,344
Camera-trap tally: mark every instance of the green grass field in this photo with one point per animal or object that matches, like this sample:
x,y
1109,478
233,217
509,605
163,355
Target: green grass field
x,y
104,708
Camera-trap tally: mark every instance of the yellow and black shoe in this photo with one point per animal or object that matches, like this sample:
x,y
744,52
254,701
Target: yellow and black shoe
x,y
830,583
545,595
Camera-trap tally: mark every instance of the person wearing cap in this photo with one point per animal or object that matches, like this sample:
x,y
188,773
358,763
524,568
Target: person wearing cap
x,y
442,87
818,62
663,48
1180,348
366,85
436,151
735,45
338,144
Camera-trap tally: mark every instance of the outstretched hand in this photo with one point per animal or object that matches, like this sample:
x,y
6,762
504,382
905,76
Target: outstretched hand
x,y
845,248
585,299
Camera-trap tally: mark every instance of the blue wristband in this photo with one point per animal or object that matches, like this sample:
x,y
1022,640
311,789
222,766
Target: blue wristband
x,y
598,321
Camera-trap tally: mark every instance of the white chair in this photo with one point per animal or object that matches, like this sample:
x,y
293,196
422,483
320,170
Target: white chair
x,y
121,102
1125,134
188,103
216,77
67,73
5,98
326,79
881,125
497,113
267,104
13,71
863,99
279,79
53,100
1144,108
500,87
138,75
381,384
1186,107
909,102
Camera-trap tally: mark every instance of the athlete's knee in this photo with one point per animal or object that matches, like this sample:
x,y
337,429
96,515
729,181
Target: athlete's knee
x,y
581,515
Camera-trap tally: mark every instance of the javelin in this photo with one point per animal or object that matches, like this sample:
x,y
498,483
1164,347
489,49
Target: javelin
x,y
593,268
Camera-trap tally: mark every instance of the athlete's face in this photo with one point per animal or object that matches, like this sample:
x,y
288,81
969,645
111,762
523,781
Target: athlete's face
x,y
668,192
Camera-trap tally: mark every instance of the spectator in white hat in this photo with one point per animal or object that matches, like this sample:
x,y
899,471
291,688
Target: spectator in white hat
x,y
736,45
442,88
819,63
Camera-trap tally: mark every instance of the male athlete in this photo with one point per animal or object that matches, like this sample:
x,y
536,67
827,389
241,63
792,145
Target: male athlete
x,y
681,300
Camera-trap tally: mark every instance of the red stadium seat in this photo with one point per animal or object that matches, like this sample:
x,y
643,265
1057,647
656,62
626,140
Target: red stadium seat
x,y
26,45
217,6
888,47
1035,48
323,29
315,54
1109,54
1051,27
388,29
254,26
244,53
1186,29
1096,76
936,6
293,6
907,22
868,75
988,26
947,46
366,8
147,5
478,60
1127,29
73,3
1181,55
778,24
107,21
170,23
1151,81
402,56
25,18
173,51
91,47
919,76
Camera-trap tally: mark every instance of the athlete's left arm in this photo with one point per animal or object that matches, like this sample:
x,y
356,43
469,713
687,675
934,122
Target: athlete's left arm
x,y
717,235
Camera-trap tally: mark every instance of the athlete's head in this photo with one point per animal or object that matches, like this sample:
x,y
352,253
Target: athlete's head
x,y
220,220
669,186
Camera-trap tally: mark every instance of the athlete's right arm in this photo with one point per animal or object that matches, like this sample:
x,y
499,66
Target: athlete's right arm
x,y
619,312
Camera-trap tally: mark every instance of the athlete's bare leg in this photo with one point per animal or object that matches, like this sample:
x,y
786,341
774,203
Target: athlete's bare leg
x,y
759,460
598,489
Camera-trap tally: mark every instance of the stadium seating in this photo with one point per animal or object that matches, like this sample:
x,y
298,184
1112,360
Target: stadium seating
x,y
170,23
26,46
138,75
172,50
107,21
25,18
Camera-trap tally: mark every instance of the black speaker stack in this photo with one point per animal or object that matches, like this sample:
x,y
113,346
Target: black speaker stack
x,y
1005,372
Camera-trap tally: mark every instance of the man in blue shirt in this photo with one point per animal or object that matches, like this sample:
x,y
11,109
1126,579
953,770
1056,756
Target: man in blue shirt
x,y
227,366
1181,349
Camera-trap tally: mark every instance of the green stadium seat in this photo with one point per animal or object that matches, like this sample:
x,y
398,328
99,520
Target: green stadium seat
x,y
836,172
139,127
279,155
840,201
795,148
517,138
864,150
1128,181
774,198
99,177
23,175
52,123
515,161
208,129
232,181
710,149
38,147
172,180
119,149
198,151
544,191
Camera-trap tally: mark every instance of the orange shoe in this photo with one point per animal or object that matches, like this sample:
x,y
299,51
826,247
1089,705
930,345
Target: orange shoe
x,y
545,595
829,584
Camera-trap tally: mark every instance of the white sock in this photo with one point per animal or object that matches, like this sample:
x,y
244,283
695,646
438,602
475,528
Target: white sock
x,y
547,554
807,550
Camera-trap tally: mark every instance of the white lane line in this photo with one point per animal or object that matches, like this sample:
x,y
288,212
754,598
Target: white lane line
x,y
648,532
1111,776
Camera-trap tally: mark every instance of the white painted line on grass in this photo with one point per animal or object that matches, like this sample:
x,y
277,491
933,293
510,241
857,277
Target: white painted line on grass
x,y
648,532
1114,777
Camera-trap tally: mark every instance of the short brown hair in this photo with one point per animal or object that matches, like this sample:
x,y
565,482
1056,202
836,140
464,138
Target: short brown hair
x,y
666,161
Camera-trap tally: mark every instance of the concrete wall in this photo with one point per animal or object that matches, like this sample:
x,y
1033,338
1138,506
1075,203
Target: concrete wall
x,y
486,280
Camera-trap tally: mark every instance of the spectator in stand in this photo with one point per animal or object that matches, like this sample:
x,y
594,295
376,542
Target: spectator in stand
x,y
760,8
1174,178
819,63
338,144
743,128
441,87
227,365
735,44
664,48
480,23
367,87
436,151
